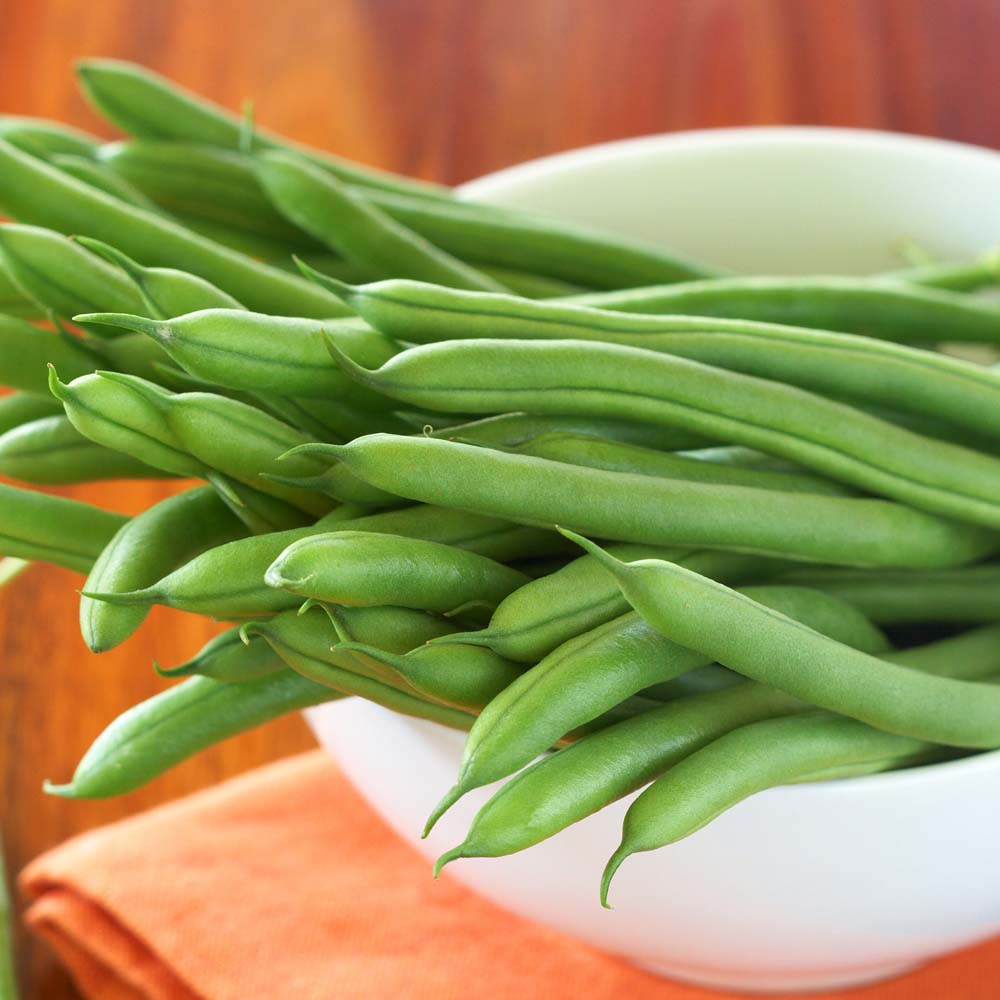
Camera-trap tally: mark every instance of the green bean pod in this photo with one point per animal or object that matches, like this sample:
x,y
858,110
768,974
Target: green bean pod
x,y
591,673
872,307
51,450
968,596
750,759
344,220
145,548
149,106
614,456
26,351
13,300
364,568
175,724
304,643
390,629
818,434
466,677
575,782
53,529
508,430
799,526
491,234
842,365
543,614
19,408
97,175
38,194
226,657
44,139
61,275
254,351
228,581
260,513
165,291
773,649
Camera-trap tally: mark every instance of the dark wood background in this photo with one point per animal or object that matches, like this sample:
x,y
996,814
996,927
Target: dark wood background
x,y
444,89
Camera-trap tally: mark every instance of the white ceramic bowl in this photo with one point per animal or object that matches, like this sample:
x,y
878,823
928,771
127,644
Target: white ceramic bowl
x,y
799,888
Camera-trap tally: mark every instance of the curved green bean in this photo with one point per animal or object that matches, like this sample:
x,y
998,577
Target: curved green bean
x,y
345,221
51,450
364,568
227,657
145,548
536,618
53,529
773,649
175,724
801,526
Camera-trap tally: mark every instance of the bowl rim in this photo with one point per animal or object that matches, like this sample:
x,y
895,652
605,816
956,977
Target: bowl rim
x,y
724,139
840,137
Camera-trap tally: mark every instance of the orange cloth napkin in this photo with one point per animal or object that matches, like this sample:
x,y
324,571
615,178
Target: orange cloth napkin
x,y
283,883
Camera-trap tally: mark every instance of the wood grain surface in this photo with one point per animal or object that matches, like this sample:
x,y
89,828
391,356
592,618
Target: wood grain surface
x,y
444,89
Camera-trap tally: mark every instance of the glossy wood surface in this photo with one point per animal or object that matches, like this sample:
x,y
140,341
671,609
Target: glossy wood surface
x,y
445,89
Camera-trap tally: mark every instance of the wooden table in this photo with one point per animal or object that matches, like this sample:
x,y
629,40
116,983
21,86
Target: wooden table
x,y
444,89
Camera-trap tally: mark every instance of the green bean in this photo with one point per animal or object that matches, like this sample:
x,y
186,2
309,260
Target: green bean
x,y
227,657
61,275
175,724
490,234
92,172
164,536
838,364
390,629
203,182
51,450
955,276
53,529
575,782
228,581
364,568
345,221
150,106
613,456
592,672
304,642
13,301
20,408
840,530
261,513
36,193
773,649
45,139
186,433
254,351
536,618
25,350
508,430
750,759
968,596
819,434
872,307
164,290
525,283
466,677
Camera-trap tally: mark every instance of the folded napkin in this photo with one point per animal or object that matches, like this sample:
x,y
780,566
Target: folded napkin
x,y
283,883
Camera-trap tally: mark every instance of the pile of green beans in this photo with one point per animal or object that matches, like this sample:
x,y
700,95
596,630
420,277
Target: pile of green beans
x,y
386,419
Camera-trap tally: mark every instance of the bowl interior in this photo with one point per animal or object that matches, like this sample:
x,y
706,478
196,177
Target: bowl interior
x,y
771,200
